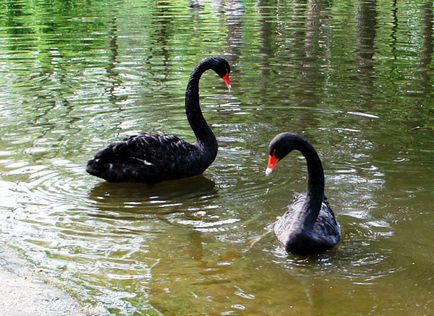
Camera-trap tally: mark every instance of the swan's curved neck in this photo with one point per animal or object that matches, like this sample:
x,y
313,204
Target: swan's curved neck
x,y
315,183
204,135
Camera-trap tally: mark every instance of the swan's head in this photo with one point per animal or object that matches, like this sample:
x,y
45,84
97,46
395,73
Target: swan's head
x,y
279,147
222,68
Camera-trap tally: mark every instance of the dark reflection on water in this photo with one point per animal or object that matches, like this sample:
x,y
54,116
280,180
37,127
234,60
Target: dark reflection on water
x,y
133,195
353,77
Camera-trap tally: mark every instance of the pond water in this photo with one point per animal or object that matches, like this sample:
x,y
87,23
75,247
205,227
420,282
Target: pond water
x,y
354,77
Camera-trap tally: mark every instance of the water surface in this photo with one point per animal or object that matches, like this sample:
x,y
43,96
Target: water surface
x,y
353,77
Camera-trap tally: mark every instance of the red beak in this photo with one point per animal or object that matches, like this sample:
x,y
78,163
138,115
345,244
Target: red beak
x,y
272,162
227,80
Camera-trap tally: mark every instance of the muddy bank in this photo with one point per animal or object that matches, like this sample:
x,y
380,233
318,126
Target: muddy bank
x,y
24,292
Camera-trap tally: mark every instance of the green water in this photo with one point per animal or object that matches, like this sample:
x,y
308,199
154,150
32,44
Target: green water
x,y
354,77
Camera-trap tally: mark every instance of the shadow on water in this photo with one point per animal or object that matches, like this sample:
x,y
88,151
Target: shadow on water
x,y
146,198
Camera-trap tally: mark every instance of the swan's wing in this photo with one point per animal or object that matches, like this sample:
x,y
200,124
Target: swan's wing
x,y
157,149
327,226
148,150
289,228
289,224
145,158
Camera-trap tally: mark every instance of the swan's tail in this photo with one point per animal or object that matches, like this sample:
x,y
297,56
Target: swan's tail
x,y
105,164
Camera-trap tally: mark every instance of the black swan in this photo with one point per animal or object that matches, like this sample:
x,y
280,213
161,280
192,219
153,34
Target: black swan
x,y
154,158
309,226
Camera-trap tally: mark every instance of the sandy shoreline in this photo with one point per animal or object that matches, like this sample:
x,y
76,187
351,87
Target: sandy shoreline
x,y
23,292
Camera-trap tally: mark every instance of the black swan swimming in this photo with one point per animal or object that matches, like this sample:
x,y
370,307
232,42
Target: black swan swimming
x,y
154,158
309,226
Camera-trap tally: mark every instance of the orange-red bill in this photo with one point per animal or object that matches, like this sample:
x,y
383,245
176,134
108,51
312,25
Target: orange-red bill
x,y
227,80
272,162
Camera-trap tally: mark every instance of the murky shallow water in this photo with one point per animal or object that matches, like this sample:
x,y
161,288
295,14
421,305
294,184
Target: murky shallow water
x,y
355,78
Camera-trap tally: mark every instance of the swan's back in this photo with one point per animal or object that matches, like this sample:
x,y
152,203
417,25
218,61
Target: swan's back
x,y
148,158
296,238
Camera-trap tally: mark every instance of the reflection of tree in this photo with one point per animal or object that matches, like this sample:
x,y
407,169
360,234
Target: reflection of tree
x,y
427,51
366,31
46,42
14,11
50,70
112,73
234,18
267,29
292,52
422,80
267,48
308,55
231,12
394,28
161,33
311,79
